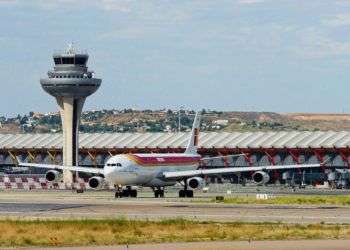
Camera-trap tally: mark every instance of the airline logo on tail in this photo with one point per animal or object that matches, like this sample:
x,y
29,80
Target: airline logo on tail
x,y
193,142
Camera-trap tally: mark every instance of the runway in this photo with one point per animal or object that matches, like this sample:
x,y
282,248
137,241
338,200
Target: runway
x,y
99,205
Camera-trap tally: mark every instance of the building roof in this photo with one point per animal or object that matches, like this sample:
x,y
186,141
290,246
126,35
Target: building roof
x,y
293,139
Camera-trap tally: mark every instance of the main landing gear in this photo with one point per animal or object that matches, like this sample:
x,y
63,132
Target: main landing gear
x,y
158,192
185,192
128,192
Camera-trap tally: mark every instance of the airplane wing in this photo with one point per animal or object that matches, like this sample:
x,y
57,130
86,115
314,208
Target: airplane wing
x,y
214,171
59,167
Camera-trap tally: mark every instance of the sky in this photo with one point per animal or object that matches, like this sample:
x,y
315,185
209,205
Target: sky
x,y
248,55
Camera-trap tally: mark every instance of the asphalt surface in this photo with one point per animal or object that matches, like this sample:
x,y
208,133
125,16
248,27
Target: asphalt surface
x,y
225,245
68,205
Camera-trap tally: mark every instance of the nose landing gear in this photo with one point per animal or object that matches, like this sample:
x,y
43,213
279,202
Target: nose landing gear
x,y
186,193
158,192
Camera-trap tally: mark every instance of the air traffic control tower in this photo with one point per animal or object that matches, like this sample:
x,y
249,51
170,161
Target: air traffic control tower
x,y
70,83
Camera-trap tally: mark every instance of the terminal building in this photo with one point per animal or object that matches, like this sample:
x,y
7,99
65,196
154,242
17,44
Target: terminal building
x,y
259,148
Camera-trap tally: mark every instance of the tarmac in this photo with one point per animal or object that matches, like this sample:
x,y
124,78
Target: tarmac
x,y
53,204
99,205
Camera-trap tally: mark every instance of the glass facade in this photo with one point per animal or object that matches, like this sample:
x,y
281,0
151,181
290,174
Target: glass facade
x,y
57,60
67,60
80,60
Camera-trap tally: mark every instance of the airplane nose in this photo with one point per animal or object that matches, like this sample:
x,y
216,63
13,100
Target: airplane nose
x,y
108,171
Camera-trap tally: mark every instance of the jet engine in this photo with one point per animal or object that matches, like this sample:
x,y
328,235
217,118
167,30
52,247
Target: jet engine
x,y
195,182
53,176
96,182
261,177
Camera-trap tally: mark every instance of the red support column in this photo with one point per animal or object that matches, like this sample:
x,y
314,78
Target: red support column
x,y
247,157
320,156
271,156
224,159
344,153
295,156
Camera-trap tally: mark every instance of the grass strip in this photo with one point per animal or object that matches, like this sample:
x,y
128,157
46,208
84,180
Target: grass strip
x,y
16,233
343,200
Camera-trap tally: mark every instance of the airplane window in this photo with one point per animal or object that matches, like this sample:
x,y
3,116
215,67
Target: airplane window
x,y
119,165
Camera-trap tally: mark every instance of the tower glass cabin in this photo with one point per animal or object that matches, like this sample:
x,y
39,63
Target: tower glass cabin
x,y
70,82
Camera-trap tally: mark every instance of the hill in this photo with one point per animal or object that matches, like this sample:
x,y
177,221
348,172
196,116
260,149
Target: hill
x,y
129,120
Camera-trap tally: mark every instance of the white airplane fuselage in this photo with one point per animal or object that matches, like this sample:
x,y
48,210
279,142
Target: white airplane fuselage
x,y
146,169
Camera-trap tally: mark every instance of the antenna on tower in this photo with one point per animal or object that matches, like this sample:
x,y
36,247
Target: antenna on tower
x,y
70,48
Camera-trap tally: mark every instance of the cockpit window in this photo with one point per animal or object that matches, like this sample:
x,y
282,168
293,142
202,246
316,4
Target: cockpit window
x,y
114,164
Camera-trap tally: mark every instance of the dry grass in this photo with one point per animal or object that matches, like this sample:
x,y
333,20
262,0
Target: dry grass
x,y
292,199
121,231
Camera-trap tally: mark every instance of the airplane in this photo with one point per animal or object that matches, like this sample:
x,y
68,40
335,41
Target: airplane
x,y
158,171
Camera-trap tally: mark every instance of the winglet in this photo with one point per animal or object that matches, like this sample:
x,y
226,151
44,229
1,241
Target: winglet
x,y
193,142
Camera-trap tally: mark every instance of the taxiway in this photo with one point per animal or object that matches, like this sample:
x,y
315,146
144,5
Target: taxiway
x,y
98,205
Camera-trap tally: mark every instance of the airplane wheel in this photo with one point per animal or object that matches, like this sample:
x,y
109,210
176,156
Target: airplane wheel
x,y
156,194
125,193
182,193
189,193
133,193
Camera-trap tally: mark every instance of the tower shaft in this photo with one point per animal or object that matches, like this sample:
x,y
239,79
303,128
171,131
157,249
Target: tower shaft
x,y
70,111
